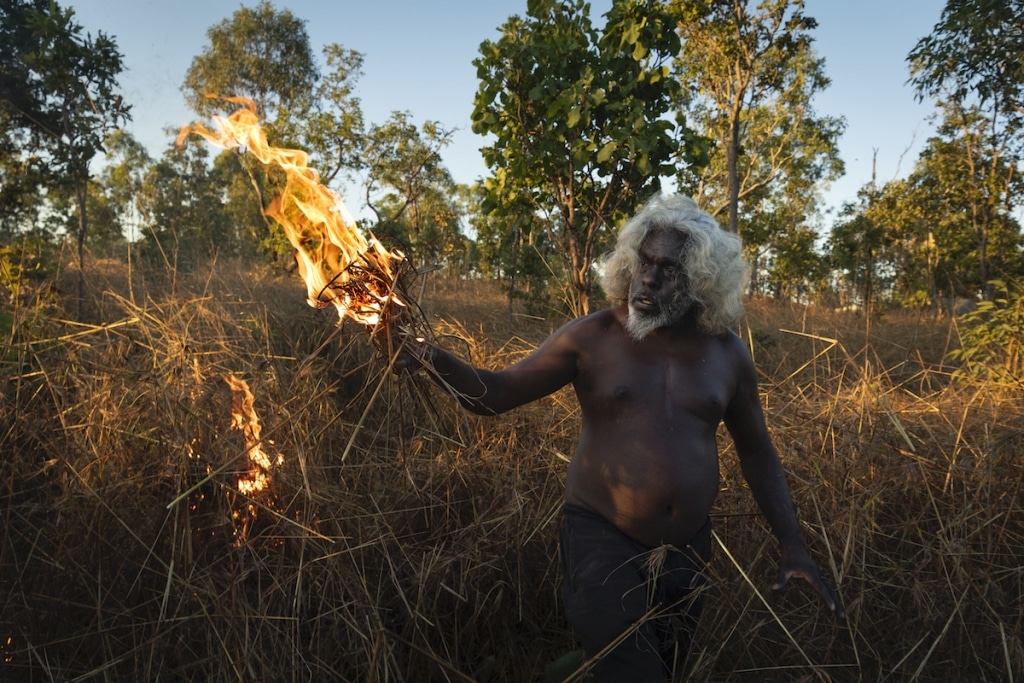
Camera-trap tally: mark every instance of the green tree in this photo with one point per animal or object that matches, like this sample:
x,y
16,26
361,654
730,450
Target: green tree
x,y
964,183
797,270
749,78
59,98
265,55
943,233
105,238
912,212
514,245
857,247
128,164
24,172
975,53
22,189
580,122
782,250
972,63
246,189
407,187
429,229
333,130
183,208
259,53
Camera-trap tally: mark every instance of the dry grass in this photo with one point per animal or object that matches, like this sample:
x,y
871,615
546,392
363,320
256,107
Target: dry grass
x,y
403,540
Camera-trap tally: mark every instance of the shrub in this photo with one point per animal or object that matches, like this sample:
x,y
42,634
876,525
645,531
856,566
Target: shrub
x,y
991,337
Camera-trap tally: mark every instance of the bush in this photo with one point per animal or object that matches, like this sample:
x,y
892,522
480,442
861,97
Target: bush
x,y
991,338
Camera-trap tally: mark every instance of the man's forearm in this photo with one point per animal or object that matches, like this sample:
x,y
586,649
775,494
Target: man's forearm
x,y
767,482
467,384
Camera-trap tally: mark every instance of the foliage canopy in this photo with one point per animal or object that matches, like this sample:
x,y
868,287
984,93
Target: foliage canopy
x,y
581,122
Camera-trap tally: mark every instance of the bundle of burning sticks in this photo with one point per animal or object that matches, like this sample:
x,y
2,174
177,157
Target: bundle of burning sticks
x,y
340,266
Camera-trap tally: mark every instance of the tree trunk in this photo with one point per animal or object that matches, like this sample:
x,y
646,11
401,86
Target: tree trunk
x,y
583,292
81,193
517,236
731,155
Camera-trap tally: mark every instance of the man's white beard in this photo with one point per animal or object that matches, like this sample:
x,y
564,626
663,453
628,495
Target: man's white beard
x,y
639,324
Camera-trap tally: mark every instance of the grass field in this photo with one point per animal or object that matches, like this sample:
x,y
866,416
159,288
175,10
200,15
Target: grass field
x,y
365,529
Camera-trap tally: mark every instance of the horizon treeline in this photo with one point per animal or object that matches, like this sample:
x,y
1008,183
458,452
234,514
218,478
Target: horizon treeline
x,y
586,117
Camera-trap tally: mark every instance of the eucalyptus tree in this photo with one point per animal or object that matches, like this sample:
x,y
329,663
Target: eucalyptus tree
x,y
972,64
750,75
511,247
265,55
580,123
62,209
892,245
410,192
930,237
58,100
514,246
121,181
964,182
858,252
182,205
259,53
915,216
975,54
402,161
333,129
22,189
428,229
783,252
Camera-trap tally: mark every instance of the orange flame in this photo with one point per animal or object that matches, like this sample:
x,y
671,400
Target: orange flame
x,y
338,264
245,419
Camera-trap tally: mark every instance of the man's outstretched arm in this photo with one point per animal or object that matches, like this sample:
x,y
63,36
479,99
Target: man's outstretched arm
x,y
487,392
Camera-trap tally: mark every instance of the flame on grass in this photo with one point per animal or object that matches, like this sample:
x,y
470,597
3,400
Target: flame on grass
x,y
237,435
338,264
244,419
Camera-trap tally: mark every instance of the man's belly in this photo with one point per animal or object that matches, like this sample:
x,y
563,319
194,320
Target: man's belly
x,y
651,493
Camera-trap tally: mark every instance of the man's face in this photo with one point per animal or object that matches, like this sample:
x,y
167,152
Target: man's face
x,y
659,293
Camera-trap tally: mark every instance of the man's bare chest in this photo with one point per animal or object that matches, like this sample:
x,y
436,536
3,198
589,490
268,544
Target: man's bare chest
x,y
657,386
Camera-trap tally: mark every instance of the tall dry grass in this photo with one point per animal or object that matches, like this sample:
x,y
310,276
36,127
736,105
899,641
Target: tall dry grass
x,y
400,539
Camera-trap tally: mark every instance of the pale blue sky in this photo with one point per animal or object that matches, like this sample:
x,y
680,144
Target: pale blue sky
x,y
418,58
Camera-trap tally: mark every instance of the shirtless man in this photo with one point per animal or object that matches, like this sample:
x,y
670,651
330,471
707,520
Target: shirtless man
x,y
655,376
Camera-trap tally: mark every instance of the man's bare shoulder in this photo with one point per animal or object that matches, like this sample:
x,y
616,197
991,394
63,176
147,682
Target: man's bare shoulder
x,y
599,322
732,341
580,333
733,349
602,319
737,345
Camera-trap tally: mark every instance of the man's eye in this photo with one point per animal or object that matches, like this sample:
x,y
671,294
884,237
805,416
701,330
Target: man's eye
x,y
671,270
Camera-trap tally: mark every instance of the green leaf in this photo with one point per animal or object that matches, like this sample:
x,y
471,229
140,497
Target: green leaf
x,y
639,52
606,152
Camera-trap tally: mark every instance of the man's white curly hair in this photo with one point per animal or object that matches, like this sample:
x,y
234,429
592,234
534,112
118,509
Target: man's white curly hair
x,y
712,259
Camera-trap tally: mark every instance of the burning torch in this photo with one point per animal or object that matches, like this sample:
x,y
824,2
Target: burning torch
x,y
340,266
